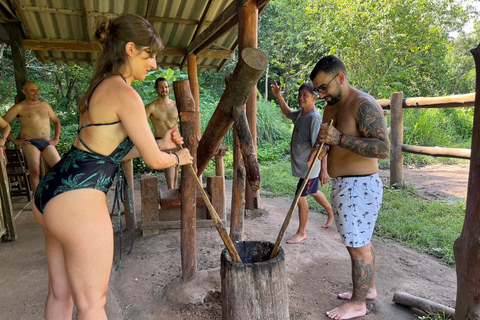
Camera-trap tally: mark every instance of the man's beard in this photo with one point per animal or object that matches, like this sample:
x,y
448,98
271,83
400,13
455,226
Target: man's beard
x,y
334,99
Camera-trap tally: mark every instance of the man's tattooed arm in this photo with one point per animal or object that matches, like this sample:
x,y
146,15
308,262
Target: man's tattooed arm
x,y
373,128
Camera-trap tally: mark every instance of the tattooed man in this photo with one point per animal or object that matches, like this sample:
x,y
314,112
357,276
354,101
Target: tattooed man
x,y
357,138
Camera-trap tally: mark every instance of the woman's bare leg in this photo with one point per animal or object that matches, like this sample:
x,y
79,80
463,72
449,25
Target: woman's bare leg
x,y
59,304
85,233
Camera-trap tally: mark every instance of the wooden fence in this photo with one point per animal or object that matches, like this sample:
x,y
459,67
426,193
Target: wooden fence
x,y
396,104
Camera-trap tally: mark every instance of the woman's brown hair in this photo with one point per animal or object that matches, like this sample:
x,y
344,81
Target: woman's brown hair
x,y
114,35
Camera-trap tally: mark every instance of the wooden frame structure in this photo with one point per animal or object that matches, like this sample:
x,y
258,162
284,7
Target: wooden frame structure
x,y
396,104
61,35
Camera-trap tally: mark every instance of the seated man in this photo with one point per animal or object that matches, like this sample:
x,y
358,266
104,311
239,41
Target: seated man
x,y
164,115
34,117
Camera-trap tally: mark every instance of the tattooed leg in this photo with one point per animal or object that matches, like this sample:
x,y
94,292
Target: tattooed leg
x,y
372,291
363,266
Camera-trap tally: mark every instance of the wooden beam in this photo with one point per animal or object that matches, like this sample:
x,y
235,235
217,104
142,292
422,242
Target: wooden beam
x,y
148,11
453,101
165,225
201,24
95,47
217,54
6,12
438,151
211,33
18,54
88,27
51,10
62,45
25,26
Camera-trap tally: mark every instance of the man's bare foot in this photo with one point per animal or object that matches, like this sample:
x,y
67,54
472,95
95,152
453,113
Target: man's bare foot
x,y
297,238
329,222
372,294
348,311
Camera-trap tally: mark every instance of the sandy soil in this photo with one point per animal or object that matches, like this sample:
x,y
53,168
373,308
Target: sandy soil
x,y
148,284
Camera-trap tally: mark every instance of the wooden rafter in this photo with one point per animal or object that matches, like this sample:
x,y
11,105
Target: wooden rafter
x,y
25,26
223,23
95,47
149,9
200,26
88,27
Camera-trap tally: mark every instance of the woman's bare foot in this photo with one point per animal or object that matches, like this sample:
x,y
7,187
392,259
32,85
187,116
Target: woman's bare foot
x,y
297,238
372,294
329,222
348,311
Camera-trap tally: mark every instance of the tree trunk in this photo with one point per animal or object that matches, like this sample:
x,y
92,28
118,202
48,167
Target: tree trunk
x,y
251,64
467,246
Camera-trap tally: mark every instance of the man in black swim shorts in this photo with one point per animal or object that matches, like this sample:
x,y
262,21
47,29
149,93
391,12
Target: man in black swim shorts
x,y
34,117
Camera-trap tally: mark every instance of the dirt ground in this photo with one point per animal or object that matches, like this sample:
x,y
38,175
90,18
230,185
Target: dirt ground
x,y
148,285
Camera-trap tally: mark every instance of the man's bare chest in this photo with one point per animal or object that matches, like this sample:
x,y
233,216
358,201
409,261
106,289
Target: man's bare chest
x,y
34,114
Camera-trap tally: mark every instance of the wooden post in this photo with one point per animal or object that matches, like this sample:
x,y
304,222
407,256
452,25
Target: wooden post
x,y
396,141
237,211
149,191
18,54
248,37
186,108
220,171
130,221
6,203
193,79
467,246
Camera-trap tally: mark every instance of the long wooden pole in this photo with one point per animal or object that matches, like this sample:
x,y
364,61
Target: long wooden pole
x,y
276,247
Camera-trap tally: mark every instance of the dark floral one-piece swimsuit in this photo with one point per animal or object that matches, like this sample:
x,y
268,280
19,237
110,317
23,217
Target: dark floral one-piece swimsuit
x,y
80,169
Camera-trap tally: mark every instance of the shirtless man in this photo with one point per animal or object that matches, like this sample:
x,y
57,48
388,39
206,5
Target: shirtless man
x,y
357,139
164,115
307,122
34,116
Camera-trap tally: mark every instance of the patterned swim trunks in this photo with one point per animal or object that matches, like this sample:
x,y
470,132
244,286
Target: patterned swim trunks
x,y
356,201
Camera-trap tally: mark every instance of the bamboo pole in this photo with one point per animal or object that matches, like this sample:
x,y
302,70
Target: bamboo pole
x,y
276,247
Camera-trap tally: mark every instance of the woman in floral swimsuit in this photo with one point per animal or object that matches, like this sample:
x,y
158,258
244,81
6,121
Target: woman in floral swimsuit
x,y
72,196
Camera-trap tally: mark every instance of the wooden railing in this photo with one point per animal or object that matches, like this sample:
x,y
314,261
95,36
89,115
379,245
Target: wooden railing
x,y
396,104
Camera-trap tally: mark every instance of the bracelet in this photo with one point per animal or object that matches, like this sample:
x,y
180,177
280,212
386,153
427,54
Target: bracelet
x,y
178,160
327,148
341,139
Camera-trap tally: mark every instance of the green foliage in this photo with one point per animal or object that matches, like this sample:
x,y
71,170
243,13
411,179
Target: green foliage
x,y
430,226
434,316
